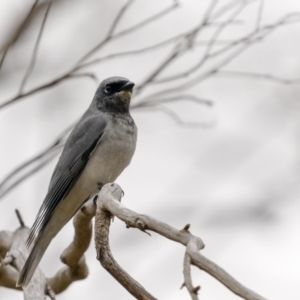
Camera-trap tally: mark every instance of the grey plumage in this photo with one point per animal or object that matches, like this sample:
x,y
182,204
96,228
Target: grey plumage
x,y
98,149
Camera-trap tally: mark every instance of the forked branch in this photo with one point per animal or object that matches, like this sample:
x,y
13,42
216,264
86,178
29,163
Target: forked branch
x,y
109,204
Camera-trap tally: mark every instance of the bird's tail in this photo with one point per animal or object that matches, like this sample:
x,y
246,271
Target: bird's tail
x,y
33,260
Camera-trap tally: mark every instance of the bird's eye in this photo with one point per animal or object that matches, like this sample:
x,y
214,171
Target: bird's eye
x,y
107,90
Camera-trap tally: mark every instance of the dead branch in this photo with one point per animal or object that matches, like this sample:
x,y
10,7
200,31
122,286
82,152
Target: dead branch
x,y
35,50
188,278
110,196
13,263
270,77
104,255
19,31
73,255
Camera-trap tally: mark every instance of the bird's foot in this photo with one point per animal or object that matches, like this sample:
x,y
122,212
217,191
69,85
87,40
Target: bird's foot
x,y
95,199
100,185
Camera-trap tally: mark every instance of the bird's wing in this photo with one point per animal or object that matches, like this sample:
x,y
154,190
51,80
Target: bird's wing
x,y
79,146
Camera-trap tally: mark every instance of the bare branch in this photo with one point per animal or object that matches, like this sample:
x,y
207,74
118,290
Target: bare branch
x,y
19,216
259,15
209,47
132,52
110,196
68,75
176,117
184,97
13,178
179,48
19,31
19,252
119,17
128,30
73,255
35,50
104,255
253,75
188,277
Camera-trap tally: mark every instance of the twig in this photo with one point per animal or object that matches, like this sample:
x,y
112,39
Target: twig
x,y
14,39
43,156
183,97
126,31
22,224
35,50
209,47
179,49
176,117
254,75
104,255
119,17
44,86
259,15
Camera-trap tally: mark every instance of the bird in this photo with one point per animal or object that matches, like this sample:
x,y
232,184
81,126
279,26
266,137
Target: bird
x,y
99,148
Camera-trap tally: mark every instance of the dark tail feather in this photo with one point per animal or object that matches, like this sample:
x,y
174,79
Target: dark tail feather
x,y
32,261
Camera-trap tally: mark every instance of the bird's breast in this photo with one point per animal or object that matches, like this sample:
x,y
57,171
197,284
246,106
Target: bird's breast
x,y
111,156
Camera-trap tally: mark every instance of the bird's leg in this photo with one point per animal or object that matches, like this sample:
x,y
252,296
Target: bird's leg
x,y
100,185
95,199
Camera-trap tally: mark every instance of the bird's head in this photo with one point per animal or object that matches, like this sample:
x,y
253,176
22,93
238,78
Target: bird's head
x,y
114,94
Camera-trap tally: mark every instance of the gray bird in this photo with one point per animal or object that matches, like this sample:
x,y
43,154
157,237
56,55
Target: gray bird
x,y
98,149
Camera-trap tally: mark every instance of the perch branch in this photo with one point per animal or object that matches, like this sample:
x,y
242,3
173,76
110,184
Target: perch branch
x,y
104,255
35,50
110,196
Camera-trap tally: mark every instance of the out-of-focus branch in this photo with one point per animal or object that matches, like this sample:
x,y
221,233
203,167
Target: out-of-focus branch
x,y
47,85
179,48
73,255
19,31
14,262
35,49
131,29
109,201
104,255
240,74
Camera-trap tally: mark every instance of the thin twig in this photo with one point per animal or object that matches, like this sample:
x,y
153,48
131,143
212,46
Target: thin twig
x,y
259,15
241,74
119,17
22,224
126,31
68,75
35,49
180,48
208,50
173,115
14,39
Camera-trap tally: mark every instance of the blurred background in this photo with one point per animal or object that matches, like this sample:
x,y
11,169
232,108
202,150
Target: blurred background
x,y
217,106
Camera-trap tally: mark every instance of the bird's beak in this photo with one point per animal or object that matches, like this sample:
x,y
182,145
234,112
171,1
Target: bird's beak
x,y
128,86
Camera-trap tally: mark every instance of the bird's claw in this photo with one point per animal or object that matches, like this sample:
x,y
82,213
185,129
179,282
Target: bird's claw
x,y
95,199
100,185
